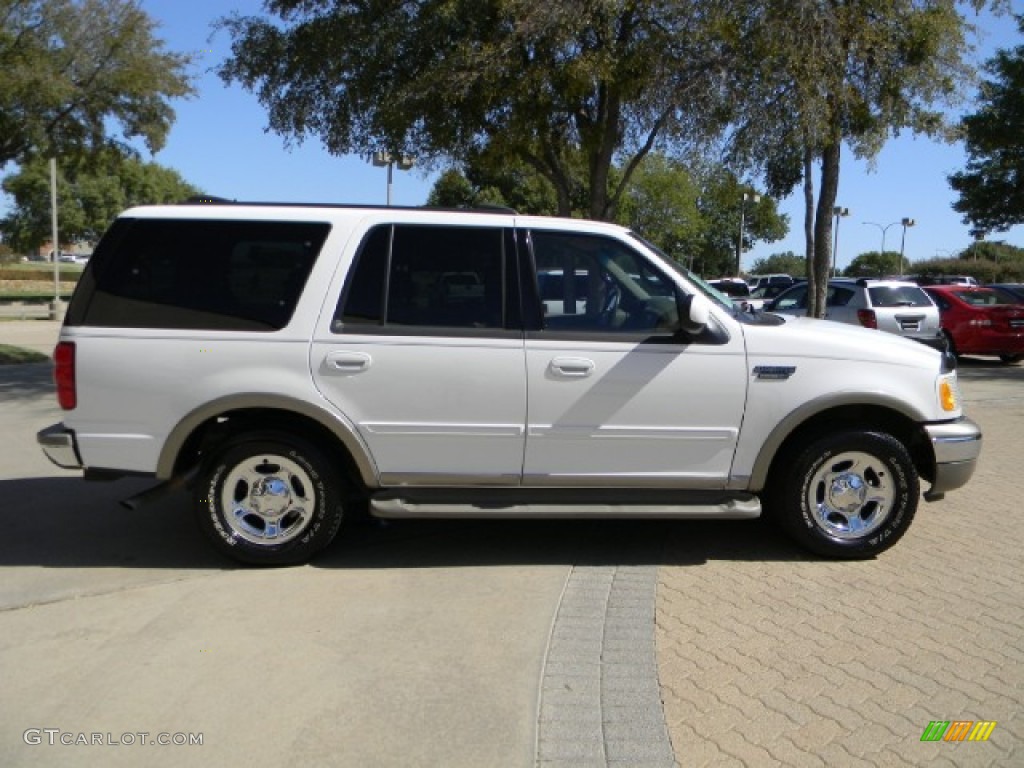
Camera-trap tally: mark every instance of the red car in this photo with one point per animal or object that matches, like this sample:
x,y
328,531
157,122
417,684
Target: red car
x,y
976,321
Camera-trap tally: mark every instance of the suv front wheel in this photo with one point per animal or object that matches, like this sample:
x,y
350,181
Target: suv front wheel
x,y
850,495
268,499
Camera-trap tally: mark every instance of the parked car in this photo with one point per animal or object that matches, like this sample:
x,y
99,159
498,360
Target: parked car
x,y
979,321
757,282
893,306
738,291
941,279
292,365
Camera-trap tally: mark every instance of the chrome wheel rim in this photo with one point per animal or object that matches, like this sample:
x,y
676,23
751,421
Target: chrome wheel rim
x,y
267,499
851,495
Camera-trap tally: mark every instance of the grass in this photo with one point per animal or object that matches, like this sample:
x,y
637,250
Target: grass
x,y
12,355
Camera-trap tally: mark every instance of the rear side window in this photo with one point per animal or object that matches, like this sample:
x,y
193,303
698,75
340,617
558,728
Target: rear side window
x,y
413,276
898,296
197,274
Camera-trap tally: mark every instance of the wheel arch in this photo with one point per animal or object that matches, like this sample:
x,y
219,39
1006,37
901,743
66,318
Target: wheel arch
x,y
803,427
221,419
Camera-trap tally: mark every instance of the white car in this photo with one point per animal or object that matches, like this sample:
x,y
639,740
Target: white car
x,y
292,363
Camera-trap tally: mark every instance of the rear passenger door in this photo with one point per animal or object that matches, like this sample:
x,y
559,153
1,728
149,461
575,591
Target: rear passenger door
x,y
424,353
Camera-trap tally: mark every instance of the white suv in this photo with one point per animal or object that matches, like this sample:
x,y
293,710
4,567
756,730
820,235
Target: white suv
x,y
294,363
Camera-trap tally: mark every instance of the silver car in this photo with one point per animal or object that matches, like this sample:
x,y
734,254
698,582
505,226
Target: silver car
x,y
894,306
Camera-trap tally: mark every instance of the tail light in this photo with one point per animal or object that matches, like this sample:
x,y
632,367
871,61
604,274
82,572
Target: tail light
x,y
64,375
867,318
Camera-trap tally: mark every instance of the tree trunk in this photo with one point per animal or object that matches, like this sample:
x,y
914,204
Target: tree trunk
x,y
823,224
812,288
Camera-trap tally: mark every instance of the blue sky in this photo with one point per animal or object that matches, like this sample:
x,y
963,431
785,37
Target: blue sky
x,y
219,143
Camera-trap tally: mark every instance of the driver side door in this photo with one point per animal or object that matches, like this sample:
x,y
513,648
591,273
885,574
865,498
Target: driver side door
x,y
616,394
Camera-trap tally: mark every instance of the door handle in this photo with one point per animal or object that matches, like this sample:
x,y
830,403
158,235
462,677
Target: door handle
x,y
347,362
574,367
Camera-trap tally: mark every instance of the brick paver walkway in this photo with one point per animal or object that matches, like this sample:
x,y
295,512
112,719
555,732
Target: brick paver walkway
x,y
768,657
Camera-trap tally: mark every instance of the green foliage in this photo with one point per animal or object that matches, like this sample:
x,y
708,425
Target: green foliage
x,y
568,89
981,270
997,251
71,70
991,193
89,196
787,263
874,264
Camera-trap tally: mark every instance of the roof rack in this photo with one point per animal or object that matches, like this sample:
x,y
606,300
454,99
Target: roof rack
x,y
214,200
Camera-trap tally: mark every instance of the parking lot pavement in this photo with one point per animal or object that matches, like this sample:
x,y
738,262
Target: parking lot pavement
x,y
40,335
403,645
769,657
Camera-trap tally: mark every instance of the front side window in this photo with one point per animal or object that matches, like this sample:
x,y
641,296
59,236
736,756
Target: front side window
x,y
593,283
198,274
412,276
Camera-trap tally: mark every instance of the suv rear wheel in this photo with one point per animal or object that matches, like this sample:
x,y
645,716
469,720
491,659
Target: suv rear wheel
x,y
268,499
848,495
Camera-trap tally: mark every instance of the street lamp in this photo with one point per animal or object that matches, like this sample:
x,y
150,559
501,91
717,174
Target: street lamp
x,y
906,223
386,160
837,211
755,198
881,253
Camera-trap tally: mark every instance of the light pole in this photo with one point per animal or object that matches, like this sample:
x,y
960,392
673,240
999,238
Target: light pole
x,y
881,253
755,198
55,308
906,223
385,159
837,211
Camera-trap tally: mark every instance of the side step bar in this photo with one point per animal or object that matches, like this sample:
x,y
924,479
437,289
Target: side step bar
x,y
391,505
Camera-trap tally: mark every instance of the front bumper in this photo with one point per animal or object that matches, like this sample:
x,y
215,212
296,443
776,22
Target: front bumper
x,y
956,446
60,446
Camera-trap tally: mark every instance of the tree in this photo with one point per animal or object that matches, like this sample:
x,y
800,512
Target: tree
x,y
70,70
90,196
569,89
787,263
991,193
819,75
874,264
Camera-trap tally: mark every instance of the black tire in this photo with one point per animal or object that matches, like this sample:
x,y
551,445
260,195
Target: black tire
x,y
950,345
848,495
1011,359
268,499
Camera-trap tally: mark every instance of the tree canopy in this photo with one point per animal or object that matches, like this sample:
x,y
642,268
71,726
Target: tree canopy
x,y
569,89
71,70
992,186
90,196
819,75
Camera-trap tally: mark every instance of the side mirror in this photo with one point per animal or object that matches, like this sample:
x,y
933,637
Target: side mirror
x,y
694,313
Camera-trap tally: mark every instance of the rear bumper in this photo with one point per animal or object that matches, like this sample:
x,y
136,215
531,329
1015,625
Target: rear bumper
x,y
60,446
957,446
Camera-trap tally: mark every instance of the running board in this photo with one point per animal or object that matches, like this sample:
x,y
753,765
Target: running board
x,y
741,507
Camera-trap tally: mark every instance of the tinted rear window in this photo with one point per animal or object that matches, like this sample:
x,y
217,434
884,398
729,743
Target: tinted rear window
x,y
898,296
197,274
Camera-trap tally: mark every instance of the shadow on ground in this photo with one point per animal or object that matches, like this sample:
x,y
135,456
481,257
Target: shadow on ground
x,y
64,522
